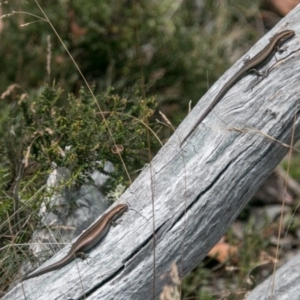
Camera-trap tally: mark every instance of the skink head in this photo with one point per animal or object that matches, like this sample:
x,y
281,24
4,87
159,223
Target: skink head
x,y
283,36
121,208
116,212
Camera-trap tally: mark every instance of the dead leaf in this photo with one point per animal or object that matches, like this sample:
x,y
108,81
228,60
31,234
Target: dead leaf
x,y
222,252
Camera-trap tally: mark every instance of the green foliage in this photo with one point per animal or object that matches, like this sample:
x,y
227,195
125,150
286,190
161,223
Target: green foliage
x,y
193,285
294,171
71,134
5,205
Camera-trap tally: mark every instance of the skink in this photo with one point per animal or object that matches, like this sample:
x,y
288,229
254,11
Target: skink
x,y
259,59
86,240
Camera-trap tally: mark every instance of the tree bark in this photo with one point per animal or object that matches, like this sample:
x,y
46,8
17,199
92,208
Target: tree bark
x,y
188,196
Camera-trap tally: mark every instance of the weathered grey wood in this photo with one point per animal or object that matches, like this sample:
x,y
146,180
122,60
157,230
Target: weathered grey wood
x,y
285,284
196,191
